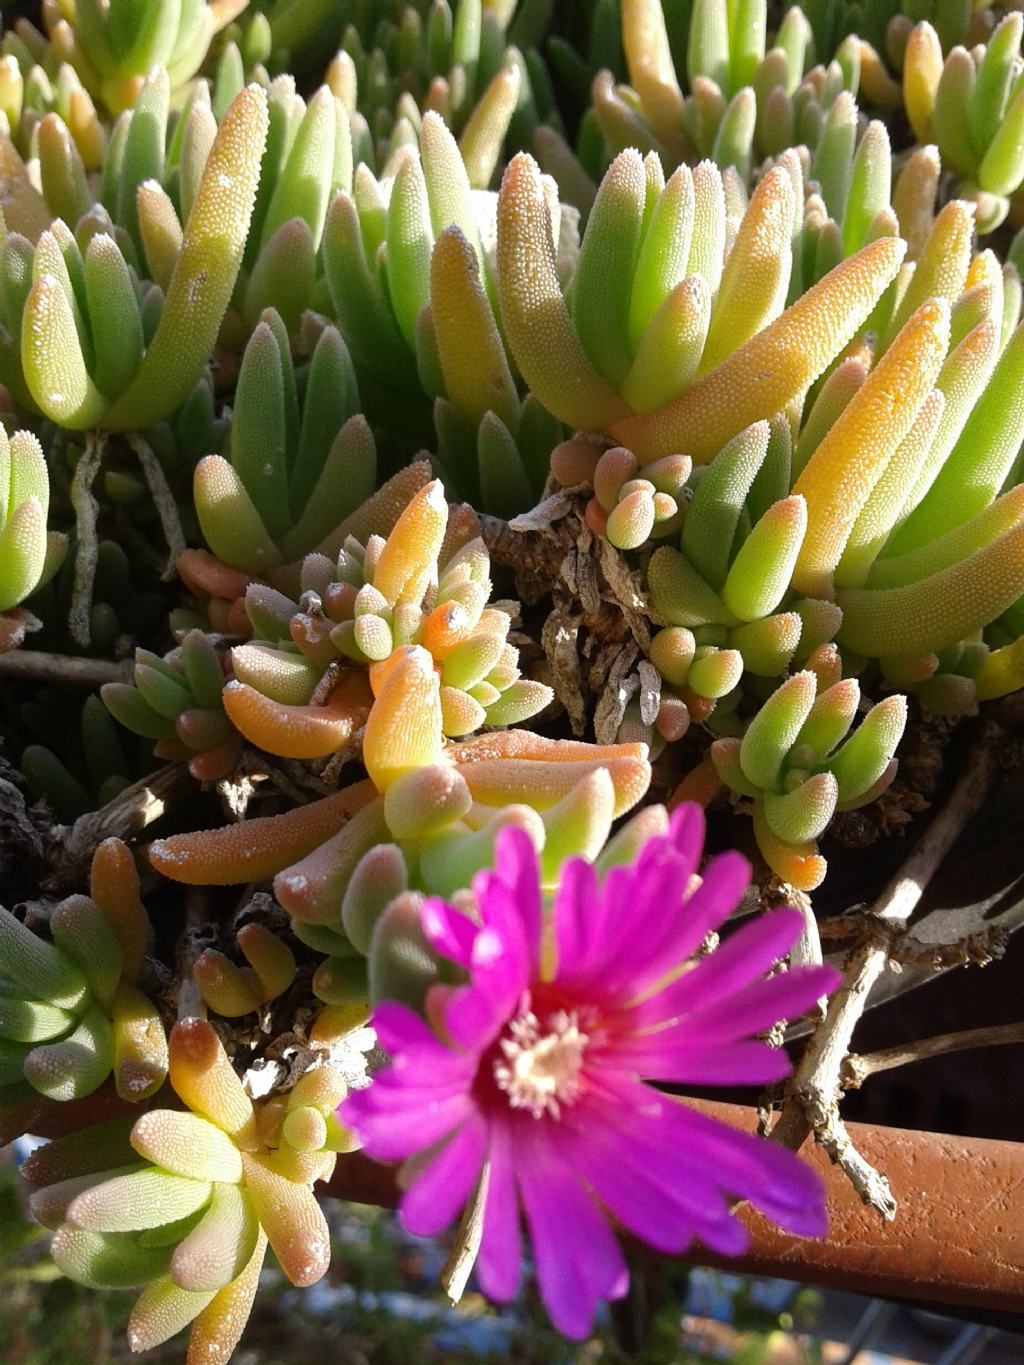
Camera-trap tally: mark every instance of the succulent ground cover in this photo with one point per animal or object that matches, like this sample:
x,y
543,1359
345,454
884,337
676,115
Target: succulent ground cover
x,y
455,459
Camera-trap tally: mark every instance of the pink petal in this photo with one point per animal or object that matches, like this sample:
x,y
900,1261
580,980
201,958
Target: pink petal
x,y
625,1184
741,958
509,897
785,1188
641,1150
618,925
574,901
645,913
498,1264
391,1135
399,1027
470,1019
436,1196
641,1119
681,926
579,1262
449,932
686,830
500,969
700,1060
759,1006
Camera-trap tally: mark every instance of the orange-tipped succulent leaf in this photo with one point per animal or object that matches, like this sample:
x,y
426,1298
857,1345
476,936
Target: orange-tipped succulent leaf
x,y
206,1081
517,766
298,731
408,560
254,849
404,729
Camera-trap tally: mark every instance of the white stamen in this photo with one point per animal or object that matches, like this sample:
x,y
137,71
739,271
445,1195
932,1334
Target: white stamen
x,y
541,1070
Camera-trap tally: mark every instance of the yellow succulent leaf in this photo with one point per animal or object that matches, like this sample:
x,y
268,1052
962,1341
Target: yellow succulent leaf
x,y
772,368
843,471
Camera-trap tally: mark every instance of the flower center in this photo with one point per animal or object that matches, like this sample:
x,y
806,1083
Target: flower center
x,y
539,1067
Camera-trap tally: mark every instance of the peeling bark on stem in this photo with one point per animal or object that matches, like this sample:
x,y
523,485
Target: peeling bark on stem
x,y
127,815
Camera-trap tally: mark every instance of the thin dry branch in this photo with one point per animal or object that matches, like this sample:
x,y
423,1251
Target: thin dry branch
x,y
163,500
40,666
87,511
812,1097
127,815
466,1245
193,941
856,1069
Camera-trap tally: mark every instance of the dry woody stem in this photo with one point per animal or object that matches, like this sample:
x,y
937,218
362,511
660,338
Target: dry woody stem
x,y
812,1096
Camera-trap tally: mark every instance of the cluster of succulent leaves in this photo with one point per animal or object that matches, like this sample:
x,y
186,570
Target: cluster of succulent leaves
x,y
72,1012
324,348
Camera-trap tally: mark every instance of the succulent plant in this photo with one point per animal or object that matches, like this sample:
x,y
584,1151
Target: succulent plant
x,y
411,284
206,1188
232,990
971,104
294,471
727,595
886,529
888,23
427,584
71,1011
658,331
796,766
112,47
349,871
80,767
80,341
178,702
460,60
126,597
29,553
309,156
720,386
34,105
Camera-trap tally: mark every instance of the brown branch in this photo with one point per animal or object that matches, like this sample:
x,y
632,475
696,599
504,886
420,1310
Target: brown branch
x,y
194,939
975,949
127,815
163,500
40,666
856,1069
87,511
812,1097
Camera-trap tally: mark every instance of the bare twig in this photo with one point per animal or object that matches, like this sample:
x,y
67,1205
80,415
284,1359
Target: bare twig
x,y
322,692
974,949
163,499
193,941
812,1099
63,668
87,547
466,1246
857,1069
129,813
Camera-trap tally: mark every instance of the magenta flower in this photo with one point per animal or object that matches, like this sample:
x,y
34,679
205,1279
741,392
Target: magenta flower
x,y
541,1068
